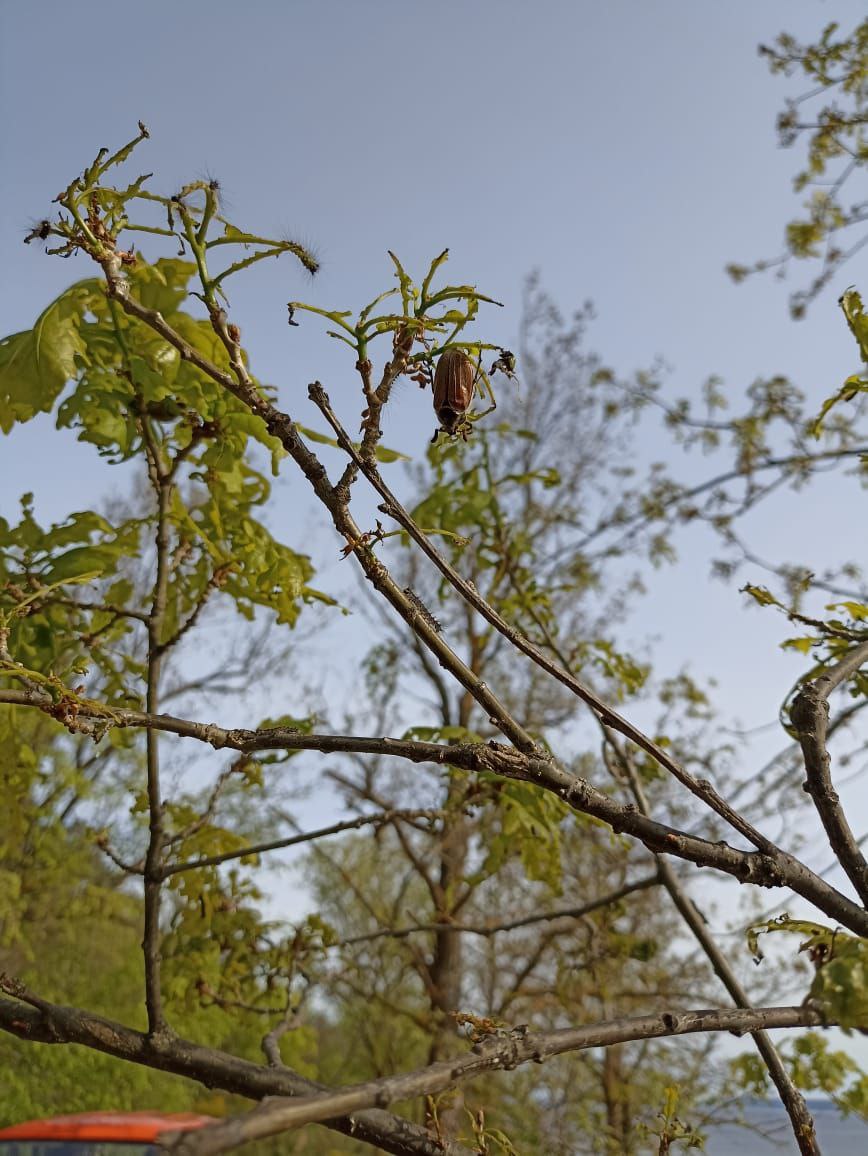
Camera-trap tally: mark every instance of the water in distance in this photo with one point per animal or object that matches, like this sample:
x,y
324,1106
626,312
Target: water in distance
x,y
838,1135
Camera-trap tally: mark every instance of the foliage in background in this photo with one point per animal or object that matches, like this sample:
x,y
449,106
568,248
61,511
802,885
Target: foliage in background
x,y
830,116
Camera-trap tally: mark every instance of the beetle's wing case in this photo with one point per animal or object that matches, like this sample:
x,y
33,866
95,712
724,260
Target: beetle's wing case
x,y
453,381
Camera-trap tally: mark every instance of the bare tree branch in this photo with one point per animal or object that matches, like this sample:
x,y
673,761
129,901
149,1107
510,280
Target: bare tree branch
x,y
156,834
775,868
501,1052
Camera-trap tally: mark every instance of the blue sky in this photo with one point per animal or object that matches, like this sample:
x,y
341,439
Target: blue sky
x,y
625,149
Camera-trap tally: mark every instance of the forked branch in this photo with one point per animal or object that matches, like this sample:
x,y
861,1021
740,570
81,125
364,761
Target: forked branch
x,y
809,715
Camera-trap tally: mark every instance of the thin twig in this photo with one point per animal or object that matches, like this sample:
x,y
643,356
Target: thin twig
x,y
151,940
216,580
381,818
494,928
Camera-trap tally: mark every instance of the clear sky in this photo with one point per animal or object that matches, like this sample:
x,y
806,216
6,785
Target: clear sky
x,y
624,148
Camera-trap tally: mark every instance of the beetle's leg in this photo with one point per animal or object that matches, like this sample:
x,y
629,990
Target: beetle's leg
x,y
483,384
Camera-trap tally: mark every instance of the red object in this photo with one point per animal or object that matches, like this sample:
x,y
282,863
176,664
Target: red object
x,y
132,1127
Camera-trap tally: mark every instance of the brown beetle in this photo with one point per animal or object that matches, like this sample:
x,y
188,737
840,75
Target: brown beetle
x,y
454,382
